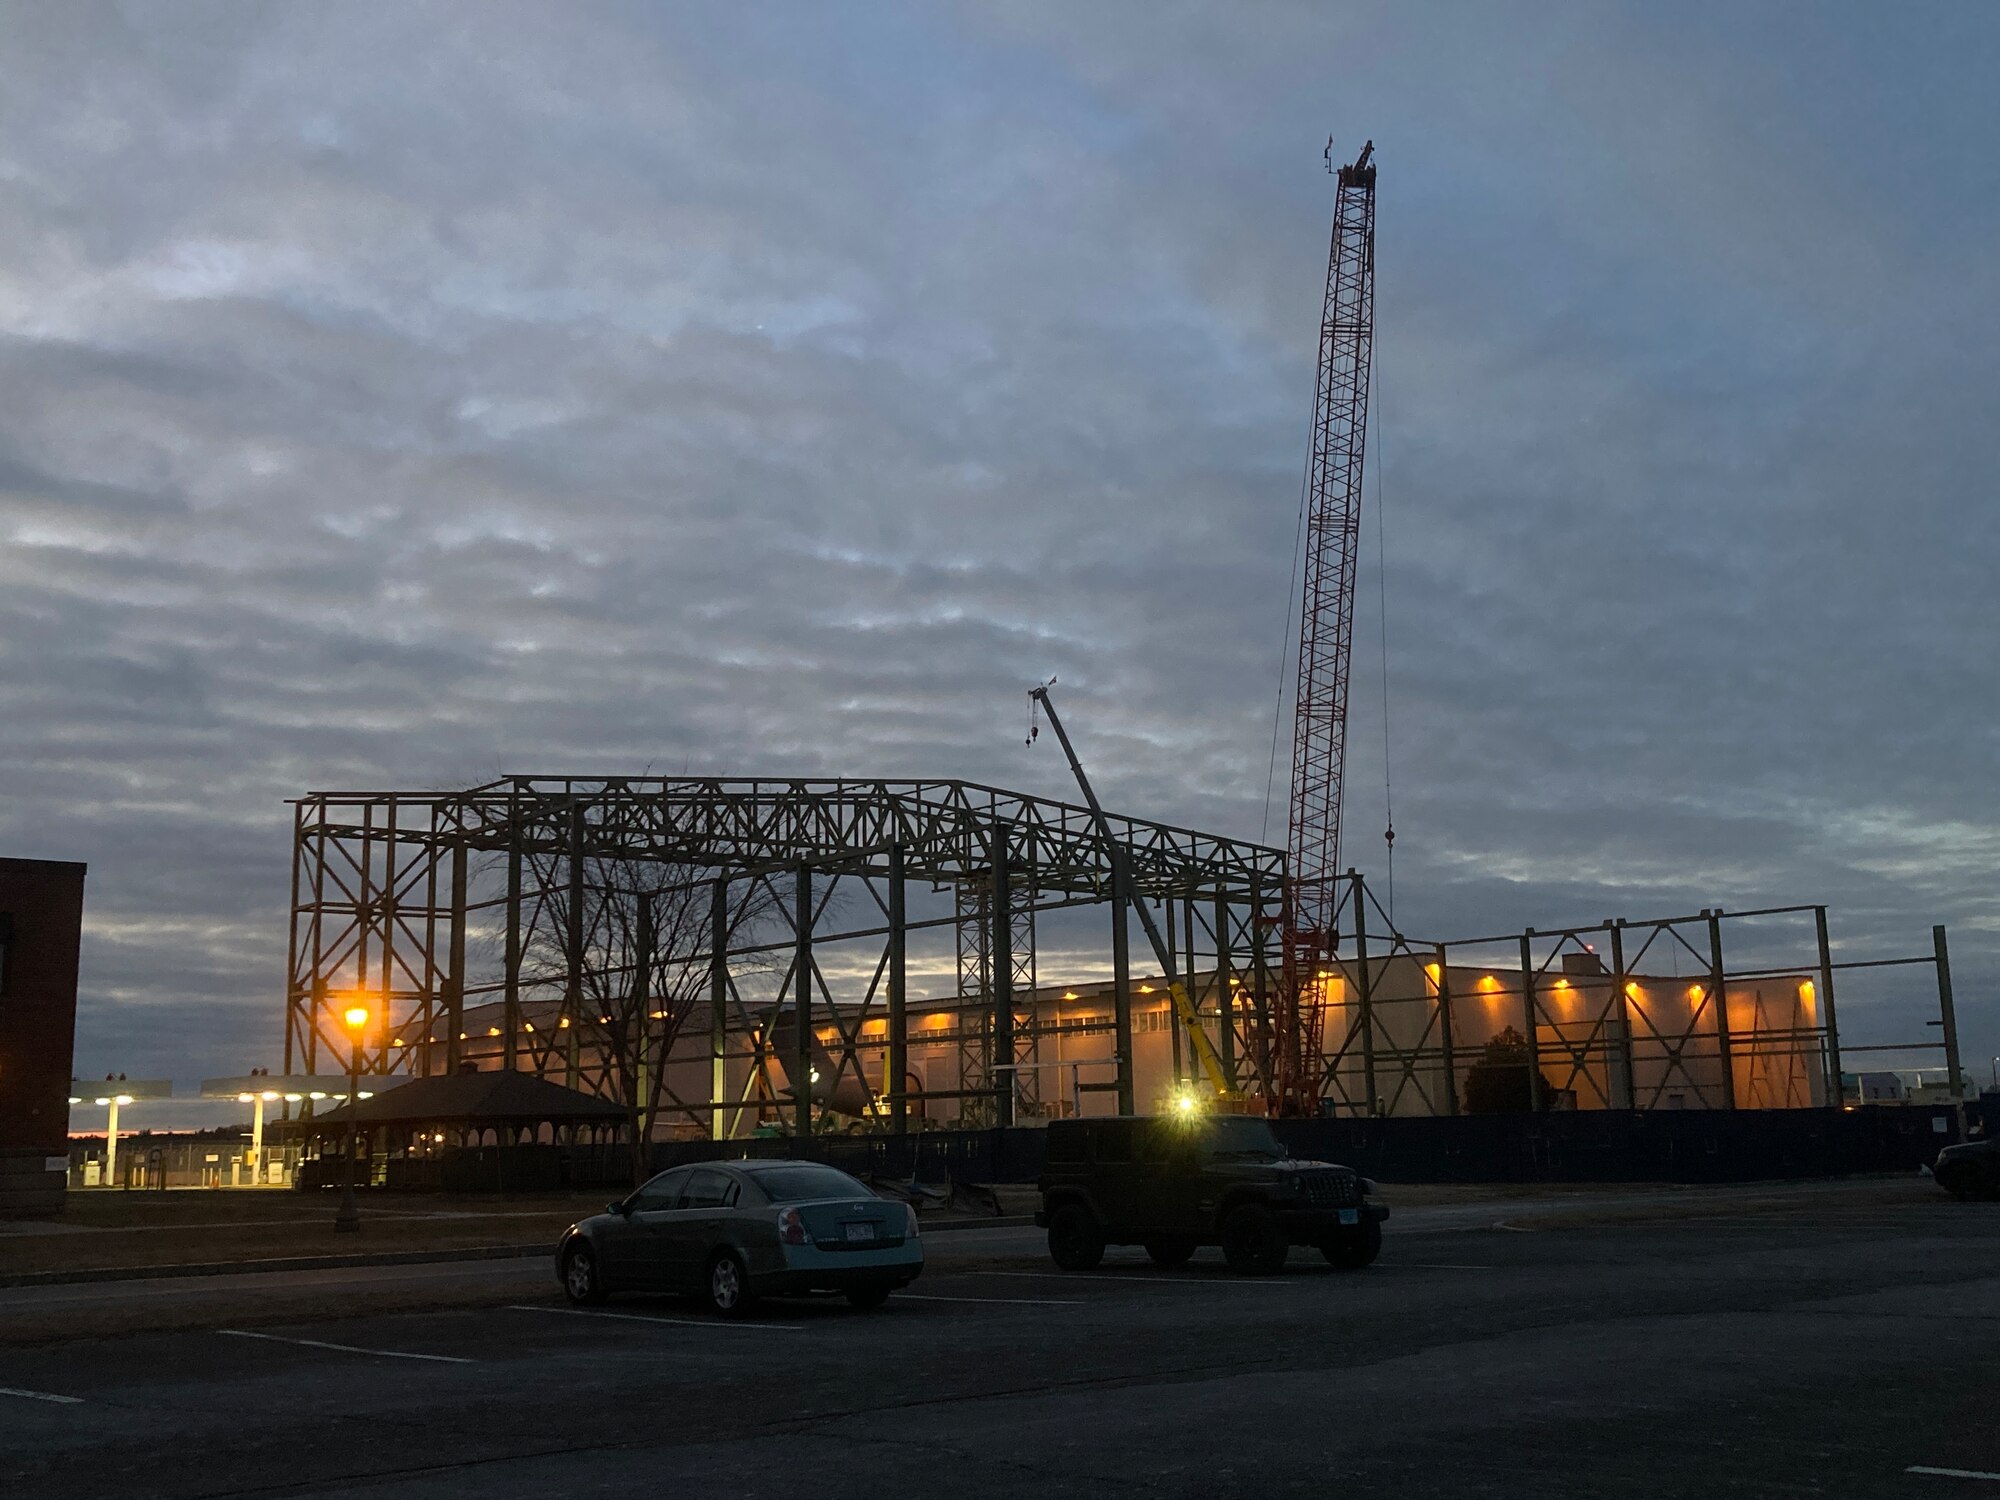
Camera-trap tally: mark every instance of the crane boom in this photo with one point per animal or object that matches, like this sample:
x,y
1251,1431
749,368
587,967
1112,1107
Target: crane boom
x,y
1184,1008
1326,630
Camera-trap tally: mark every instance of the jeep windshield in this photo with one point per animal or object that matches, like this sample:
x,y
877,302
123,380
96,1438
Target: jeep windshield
x,y
1239,1139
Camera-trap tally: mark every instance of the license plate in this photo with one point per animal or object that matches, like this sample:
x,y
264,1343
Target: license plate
x,y
1350,1216
861,1231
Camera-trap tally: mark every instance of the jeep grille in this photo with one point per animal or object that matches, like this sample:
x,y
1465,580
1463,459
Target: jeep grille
x,y
1331,1189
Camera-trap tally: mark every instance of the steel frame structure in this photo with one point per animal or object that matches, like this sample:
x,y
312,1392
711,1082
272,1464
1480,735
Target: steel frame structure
x,y
433,901
1371,1068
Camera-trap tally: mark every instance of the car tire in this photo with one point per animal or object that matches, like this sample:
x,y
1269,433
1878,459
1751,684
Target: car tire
x,y
580,1281
1354,1249
868,1297
1076,1240
726,1287
1170,1252
1252,1241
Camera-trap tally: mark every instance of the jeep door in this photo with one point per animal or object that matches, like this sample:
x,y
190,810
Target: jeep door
x,y
1115,1175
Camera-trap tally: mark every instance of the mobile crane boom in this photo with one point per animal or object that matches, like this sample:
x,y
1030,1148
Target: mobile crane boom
x,y
1184,1009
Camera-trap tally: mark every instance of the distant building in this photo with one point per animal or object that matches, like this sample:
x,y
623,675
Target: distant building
x,y
41,932
1903,1086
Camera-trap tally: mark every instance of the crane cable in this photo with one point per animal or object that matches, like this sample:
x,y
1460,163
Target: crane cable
x,y
1285,653
1382,603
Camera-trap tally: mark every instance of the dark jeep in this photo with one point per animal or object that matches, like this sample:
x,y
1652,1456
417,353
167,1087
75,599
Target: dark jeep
x,y
1174,1184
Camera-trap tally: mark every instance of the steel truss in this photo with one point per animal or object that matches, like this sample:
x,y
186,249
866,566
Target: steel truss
x,y
434,903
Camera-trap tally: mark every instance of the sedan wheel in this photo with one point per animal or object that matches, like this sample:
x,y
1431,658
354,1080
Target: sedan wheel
x,y
728,1286
579,1276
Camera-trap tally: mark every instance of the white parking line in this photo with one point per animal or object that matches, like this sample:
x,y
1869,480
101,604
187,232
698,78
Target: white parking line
x,y
1428,1265
442,1359
8,1390
1951,1473
1140,1278
583,1312
1011,1301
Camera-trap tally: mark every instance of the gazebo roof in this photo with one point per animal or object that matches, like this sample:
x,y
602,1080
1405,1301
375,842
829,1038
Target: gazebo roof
x,y
493,1098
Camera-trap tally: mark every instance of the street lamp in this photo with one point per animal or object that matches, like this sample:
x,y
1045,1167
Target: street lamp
x,y
348,1220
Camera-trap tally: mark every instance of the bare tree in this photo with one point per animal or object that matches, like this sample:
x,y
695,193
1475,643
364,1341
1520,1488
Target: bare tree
x,y
629,945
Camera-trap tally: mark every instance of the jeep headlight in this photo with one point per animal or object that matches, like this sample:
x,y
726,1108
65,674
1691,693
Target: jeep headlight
x,y
1368,1186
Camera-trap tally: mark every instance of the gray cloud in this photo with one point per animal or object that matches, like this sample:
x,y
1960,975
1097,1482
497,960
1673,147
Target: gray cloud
x,y
402,394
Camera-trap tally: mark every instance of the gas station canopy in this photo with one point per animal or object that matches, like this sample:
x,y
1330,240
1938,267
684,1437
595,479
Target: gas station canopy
x,y
292,1087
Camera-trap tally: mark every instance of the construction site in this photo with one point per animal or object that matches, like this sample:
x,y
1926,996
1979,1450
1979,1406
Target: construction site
x,y
734,959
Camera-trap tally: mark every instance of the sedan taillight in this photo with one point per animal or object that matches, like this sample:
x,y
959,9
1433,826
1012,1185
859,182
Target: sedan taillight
x,y
910,1213
792,1228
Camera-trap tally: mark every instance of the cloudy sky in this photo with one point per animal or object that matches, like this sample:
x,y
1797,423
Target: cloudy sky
x,y
403,394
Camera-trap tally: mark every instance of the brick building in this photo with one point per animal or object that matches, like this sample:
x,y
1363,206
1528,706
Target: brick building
x,y
41,930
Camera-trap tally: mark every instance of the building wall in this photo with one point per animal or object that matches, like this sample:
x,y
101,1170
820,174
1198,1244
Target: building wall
x,y
41,927
1657,1051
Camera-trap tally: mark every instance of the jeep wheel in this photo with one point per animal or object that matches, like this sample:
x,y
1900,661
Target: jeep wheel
x,y
1076,1243
1170,1252
1352,1249
1252,1242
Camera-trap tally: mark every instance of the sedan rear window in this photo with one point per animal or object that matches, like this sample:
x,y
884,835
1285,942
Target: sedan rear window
x,y
803,1184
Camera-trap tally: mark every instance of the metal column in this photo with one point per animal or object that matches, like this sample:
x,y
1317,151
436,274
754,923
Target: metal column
x,y
1624,1093
292,944
1000,949
1225,996
1366,990
649,1053
1121,980
801,1066
1530,1022
897,1083
718,1009
1260,990
1948,1013
1836,1090
1720,987
511,1016
1447,1038
1173,1009
454,982
573,949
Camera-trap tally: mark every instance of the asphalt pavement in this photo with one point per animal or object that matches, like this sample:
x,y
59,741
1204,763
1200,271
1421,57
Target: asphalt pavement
x,y
1839,1340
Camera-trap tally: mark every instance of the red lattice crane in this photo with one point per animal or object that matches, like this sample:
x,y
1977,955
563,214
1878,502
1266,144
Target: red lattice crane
x,y
1326,631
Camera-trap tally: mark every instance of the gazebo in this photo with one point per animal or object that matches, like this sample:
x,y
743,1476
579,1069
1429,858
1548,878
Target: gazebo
x,y
481,1130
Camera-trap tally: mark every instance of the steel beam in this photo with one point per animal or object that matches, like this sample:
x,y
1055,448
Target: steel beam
x,y
899,1022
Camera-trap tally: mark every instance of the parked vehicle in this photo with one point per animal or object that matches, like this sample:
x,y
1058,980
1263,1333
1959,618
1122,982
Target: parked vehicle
x,y
1970,1169
1174,1184
732,1232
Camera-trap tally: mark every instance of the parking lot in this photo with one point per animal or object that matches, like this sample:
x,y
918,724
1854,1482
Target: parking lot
x,y
1840,1340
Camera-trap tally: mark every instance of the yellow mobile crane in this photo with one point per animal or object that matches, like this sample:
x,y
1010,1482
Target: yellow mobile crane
x,y
1226,1096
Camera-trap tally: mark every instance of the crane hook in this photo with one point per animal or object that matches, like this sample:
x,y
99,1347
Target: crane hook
x,y
1035,711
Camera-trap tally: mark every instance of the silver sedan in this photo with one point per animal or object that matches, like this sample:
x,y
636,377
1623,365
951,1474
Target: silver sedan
x,y
732,1232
